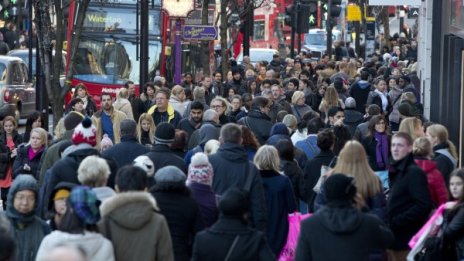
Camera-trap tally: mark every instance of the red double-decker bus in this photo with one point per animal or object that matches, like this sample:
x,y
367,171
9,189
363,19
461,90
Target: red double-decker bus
x,y
107,55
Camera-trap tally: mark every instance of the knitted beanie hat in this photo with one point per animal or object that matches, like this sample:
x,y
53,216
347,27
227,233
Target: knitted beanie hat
x,y
145,163
164,133
72,119
200,170
170,174
85,204
85,132
339,187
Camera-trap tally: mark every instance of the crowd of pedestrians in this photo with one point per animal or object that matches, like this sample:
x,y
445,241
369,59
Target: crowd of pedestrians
x,y
211,170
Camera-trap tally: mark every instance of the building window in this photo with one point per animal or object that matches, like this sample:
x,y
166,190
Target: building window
x,y
258,30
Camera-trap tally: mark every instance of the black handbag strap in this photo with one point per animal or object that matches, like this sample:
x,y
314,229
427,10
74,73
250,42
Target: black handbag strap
x,y
249,178
231,249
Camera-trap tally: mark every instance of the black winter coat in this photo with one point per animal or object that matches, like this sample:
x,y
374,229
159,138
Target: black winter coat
x,y
370,145
214,243
312,172
162,156
295,174
5,153
409,203
231,167
352,119
444,163
259,123
66,170
341,233
182,214
453,232
23,158
126,151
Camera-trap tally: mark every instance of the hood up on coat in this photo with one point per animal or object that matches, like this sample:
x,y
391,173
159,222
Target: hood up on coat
x,y
130,210
341,220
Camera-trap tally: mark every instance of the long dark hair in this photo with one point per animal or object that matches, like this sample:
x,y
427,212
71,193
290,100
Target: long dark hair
x,y
33,117
460,174
373,121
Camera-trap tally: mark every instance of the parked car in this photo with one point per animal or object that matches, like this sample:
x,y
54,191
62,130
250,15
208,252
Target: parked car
x,y
24,55
17,93
258,55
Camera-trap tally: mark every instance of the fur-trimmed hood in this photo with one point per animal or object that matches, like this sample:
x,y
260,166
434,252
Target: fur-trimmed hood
x,y
131,210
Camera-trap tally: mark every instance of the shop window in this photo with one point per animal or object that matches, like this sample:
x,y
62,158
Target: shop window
x,y
258,30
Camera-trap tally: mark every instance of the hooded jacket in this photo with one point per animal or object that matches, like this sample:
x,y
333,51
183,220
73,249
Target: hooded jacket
x,y
133,224
170,115
259,123
231,166
94,244
446,163
360,91
341,233
28,230
437,187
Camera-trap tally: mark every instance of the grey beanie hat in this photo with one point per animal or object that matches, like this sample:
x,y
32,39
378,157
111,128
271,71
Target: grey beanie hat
x,y
350,103
170,174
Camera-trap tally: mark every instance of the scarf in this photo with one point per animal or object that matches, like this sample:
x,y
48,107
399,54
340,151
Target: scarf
x,y
85,100
381,151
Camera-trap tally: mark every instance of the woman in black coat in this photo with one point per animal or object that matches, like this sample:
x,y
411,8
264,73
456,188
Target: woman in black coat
x,y
289,166
377,143
278,192
453,228
28,159
179,208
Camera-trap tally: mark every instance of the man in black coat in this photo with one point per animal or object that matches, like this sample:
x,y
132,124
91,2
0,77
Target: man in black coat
x,y
216,242
127,150
359,90
340,231
161,153
84,140
258,120
409,202
231,167
194,121
312,170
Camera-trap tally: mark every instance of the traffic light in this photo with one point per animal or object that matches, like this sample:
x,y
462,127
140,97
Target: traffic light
x,y
290,16
307,15
335,8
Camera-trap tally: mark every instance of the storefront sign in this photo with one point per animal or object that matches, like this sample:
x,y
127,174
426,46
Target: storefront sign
x,y
199,32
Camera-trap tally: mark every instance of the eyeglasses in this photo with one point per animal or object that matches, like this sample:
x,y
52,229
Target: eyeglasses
x,y
28,199
216,106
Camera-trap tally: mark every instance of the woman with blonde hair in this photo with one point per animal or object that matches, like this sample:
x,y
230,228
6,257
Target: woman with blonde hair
x,y
352,161
28,157
330,99
123,104
279,196
443,148
422,151
222,107
299,107
412,126
146,129
177,99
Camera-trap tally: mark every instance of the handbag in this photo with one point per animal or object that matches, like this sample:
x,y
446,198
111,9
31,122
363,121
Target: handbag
x,y
427,243
324,170
294,220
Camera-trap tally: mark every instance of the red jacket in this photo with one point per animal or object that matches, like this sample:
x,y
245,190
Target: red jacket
x,y
437,187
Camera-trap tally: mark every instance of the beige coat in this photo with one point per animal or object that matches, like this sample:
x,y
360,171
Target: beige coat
x,y
116,118
138,232
125,106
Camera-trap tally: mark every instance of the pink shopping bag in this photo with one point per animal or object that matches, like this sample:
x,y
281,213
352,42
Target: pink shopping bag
x,y
288,252
424,231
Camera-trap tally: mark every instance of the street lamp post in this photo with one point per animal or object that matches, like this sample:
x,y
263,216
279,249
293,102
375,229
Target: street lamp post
x,y
178,9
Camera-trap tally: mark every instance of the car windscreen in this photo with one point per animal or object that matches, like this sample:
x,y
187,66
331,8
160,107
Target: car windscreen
x,y
316,39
